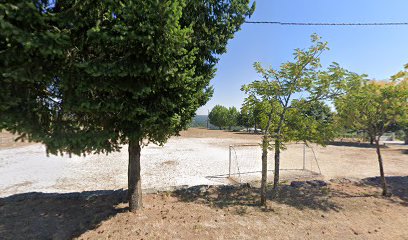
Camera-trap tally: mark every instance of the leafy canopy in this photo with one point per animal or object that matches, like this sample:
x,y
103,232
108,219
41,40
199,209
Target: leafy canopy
x,y
374,107
85,76
232,117
250,115
293,96
401,79
219,116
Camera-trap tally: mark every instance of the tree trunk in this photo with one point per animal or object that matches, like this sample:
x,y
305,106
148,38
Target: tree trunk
x,y
372,140
277,166
380,162
406,136
134,179
264,169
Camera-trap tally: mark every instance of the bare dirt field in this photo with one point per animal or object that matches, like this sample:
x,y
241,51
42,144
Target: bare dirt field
x,y
61,209
196,157
343,210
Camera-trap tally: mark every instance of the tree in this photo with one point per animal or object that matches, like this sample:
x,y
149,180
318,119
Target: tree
x,y
403,124
289,98
374,108
232,117
311,122
252,109
401,79
222,117
245,118
87,77
219,116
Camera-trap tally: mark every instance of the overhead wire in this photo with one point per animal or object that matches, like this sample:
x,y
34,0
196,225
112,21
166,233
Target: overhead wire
x,y
328,23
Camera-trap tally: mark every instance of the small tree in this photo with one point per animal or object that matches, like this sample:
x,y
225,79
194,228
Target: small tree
x,y
374,108
290,96
88,76
219,116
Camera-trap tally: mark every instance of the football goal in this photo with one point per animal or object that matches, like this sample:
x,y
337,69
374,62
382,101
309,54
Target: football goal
x,y
298,161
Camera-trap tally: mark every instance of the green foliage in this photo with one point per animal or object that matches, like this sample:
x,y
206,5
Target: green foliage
x,y
375,107
292,97
32,56
223,117
219,116
86,76
251,113
311,122
401,79
292,106
232,117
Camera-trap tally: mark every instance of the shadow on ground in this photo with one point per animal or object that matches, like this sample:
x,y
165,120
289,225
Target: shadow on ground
x,y
56,216
355,144
248,133
310,197
398,186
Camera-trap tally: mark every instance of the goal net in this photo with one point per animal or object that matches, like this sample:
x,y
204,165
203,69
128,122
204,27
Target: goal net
x,y
297,161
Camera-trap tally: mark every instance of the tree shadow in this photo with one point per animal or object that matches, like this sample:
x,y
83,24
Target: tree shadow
x,y
317,198
404,151
309,197
354,144
398,186
54,215
248,133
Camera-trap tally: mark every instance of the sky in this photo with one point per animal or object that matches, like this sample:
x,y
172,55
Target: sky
x,y
378,51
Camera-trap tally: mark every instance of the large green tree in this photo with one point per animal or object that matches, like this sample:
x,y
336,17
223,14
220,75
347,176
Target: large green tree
x,y
89,76
222,117
374,108
292,99
219,116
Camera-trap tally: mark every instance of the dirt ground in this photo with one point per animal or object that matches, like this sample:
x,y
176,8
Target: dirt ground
x,y
342,210
7,141
196,157
83,197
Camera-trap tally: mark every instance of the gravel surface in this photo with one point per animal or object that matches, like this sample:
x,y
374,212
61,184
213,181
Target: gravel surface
x,y
195,158
182,161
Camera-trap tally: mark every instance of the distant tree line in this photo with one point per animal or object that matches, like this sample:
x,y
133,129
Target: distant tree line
x,y
226,118
223,117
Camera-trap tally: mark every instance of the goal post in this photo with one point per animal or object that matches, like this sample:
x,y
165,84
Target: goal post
x,y
297,161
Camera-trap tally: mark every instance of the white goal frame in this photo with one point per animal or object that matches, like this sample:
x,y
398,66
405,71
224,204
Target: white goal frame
x,y
303,168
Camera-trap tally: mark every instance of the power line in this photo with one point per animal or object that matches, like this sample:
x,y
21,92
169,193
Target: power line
x,y
328,24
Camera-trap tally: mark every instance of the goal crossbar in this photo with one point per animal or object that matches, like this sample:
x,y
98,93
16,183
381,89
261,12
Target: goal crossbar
x,y
245,167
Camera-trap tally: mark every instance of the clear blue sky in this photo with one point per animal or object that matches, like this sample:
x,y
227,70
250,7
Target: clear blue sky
x,y
379,51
